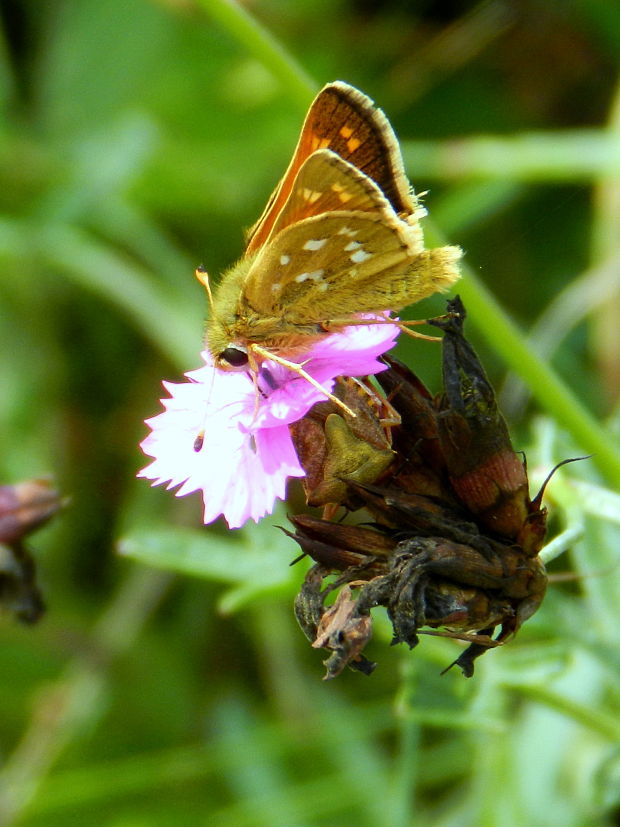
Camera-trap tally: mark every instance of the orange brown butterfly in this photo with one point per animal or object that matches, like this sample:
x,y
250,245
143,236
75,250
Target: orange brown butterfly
x,y
339,237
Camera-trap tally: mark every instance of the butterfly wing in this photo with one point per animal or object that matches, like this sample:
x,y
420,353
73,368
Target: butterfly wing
x,y
340,263
326,182
346,121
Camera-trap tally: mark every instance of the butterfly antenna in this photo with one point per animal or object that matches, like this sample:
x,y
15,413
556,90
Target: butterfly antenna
x,y
203,278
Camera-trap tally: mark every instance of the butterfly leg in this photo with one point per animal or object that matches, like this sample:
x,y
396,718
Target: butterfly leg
x,y
402,325
387,414
298,369
404,328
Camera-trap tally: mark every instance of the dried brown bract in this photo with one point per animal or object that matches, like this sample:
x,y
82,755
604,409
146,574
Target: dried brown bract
x,y
335,448
24,507
455,537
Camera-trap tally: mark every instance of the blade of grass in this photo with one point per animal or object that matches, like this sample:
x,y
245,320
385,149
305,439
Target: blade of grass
x,y
568,156
599,722
76,701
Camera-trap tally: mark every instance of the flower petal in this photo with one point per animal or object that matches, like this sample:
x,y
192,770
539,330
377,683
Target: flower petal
x,y
247,453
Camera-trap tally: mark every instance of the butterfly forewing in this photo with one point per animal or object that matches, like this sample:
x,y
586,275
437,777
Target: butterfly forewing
x,y
326,183
345,121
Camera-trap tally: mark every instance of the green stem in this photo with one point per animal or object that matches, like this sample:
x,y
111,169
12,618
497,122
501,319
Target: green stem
x,y
406,768
264,46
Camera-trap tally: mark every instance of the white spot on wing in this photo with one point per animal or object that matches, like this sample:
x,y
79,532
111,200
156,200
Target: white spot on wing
x,y
284,260
315,275
359,256
347,231
353,245
315,243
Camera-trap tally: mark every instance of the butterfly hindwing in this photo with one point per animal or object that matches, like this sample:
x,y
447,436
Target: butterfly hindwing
x,y
322,267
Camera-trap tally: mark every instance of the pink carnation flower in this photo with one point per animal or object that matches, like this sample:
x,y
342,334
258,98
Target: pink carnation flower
x,y
248,454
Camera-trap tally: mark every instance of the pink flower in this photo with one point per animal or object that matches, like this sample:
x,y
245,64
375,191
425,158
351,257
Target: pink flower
x,y
247,454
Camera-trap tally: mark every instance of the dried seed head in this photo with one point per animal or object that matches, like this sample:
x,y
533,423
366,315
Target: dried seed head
x,y
24,507
455,540
485,473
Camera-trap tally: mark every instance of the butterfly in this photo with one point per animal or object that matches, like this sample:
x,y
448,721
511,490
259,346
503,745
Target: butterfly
x,y
339,237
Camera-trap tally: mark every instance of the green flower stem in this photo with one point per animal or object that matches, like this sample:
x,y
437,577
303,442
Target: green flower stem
x,y
406,768
264,46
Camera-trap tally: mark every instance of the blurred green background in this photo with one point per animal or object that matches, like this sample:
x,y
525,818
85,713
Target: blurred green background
x,y
168,682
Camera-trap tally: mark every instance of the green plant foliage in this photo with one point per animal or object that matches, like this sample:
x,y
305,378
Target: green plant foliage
x,y
168,682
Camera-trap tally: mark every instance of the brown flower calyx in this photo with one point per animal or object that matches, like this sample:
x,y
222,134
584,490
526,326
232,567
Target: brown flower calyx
x,y
335,448
454,537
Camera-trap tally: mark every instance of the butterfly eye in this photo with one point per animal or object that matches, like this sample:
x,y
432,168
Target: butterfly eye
x,y
236,357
